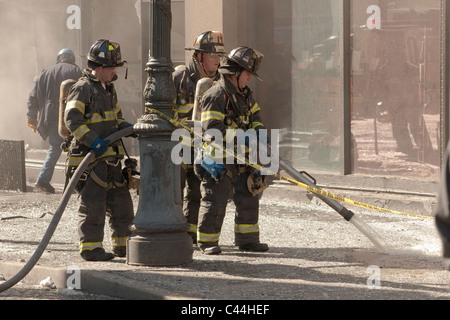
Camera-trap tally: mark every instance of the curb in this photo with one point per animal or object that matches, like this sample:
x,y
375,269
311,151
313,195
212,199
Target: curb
x,y
110,284
37,274
102,282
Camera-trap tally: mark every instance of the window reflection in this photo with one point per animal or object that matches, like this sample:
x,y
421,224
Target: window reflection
x,y
395,88
307,42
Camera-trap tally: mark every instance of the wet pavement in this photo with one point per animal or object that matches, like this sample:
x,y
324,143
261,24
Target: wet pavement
x,y
314,255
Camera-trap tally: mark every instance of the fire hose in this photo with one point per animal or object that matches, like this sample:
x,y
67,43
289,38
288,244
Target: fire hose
x,y
59,211
348,215
298,179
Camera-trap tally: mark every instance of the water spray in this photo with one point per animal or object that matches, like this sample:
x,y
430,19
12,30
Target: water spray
x,y
344,212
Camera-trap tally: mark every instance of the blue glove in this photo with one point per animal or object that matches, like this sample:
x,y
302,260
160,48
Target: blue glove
x,y
99,146
217,171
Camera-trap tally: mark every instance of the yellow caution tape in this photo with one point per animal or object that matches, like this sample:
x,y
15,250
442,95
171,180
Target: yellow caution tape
x,y
345,200
314,190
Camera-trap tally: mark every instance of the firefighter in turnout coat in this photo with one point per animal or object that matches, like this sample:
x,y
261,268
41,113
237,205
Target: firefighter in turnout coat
x,y
92,114
208,51
227,106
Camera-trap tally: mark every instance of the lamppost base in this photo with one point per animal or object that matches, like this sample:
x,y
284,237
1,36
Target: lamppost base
x,y
160,249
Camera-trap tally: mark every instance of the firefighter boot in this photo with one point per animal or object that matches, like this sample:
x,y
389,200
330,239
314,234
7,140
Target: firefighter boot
x,y
254,247
209,249
120,251
98,254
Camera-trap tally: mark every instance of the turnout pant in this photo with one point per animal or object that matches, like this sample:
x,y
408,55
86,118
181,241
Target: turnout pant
x,y
191,200
105,193
213,205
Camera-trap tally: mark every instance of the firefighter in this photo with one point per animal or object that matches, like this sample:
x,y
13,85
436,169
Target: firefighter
x,y
92,114
43,109
204,63
229,106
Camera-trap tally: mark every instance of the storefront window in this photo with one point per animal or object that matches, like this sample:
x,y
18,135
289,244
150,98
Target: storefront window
x,y
395,87
307,37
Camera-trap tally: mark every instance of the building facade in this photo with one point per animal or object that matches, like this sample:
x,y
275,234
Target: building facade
x,y
356,87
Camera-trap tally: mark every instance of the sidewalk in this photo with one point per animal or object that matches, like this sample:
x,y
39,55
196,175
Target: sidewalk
x,y
314,255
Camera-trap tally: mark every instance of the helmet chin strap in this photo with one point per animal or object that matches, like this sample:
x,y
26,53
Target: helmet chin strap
x,y
126,69
204,70
238,77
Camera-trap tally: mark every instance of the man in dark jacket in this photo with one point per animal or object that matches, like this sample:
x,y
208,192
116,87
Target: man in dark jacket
x,y
43,111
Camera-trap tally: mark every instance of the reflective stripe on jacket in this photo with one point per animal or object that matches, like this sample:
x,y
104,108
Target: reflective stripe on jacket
x,y
225,109
93,111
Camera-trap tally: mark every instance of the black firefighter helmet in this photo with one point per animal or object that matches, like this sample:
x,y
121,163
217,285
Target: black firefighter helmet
x,y
105,53
242,58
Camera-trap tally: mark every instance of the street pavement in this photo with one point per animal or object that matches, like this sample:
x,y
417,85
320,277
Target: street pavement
x,y
314,255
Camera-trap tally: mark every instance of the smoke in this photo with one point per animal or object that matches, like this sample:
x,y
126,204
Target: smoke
x,y
16,73
32,32
32,35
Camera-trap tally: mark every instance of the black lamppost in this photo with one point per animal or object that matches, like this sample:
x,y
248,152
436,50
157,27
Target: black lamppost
x,y
159,231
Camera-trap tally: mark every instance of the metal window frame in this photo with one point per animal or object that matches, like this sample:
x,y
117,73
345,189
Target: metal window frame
x,y
346,143
445,68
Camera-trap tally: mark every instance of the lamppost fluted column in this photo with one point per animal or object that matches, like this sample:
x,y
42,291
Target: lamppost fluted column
x,y
159,231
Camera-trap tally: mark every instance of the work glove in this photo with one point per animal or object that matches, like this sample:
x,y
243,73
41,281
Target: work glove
x,y
99,146
217,171
256,182
32,123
